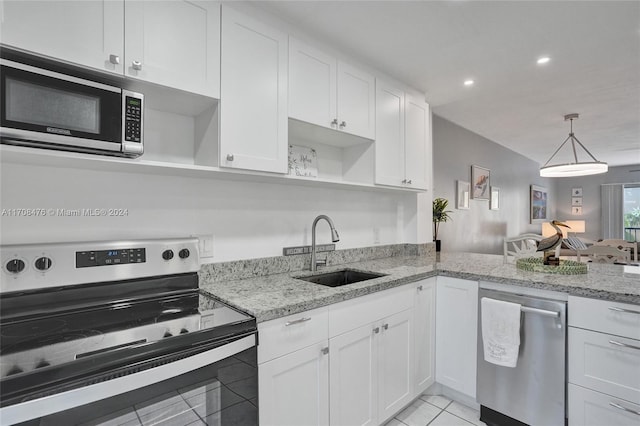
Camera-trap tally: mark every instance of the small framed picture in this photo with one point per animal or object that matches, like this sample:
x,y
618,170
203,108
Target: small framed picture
x,y
462,198
480,178
538,204
576,201
494,204
576,192
576,211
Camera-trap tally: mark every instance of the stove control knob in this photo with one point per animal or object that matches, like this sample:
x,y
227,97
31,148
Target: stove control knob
x,y
43,263
184,253
167,254
184,331
15,266
167,334
14,370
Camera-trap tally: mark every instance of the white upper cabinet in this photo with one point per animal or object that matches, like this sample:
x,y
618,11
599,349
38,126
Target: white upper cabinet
x,y
389,144
253,93
329,93
89,33
356,101
403,138
174,43
417,138
312,85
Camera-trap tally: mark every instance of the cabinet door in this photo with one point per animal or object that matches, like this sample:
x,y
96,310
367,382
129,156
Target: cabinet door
x,y
590,408
356,101
294,389
312,85
395,356
389,145
353,377
253,93
456,334
83,32
417,142
174,43
424,335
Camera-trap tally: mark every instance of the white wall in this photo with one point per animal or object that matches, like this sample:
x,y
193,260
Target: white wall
x,y
479,229
247,219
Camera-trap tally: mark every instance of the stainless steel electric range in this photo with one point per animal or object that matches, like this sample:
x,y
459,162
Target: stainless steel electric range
x,y
118,333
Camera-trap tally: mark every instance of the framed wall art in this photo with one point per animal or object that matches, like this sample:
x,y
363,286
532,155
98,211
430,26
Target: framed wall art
x,y
576,211
539,204
494,204
463,190
576,192
576,201
480,180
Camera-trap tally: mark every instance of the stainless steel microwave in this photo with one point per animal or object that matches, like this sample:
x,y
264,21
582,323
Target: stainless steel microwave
x,y
43,107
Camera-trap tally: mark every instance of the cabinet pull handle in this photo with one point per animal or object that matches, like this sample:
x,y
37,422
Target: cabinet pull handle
x,y
229,157
420,287
628,410
136,65
114,59
628,311
343,124
298,321
624,345
385,326
334,122
325,351
376,330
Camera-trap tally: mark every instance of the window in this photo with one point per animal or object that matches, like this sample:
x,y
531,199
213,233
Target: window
x,y
631,212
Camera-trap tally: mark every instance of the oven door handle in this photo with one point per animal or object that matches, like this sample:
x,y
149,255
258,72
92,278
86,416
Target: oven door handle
x,y
47,405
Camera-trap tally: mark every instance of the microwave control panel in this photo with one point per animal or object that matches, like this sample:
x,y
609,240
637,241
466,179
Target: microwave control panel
x,y
133,119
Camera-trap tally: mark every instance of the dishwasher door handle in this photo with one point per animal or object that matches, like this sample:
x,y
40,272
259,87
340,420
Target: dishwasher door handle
x,y
543,312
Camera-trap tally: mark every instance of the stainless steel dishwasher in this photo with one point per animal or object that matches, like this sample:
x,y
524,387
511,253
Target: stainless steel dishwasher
x,y
534,392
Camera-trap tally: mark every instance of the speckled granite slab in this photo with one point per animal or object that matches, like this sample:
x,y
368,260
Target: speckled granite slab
x,y
272,296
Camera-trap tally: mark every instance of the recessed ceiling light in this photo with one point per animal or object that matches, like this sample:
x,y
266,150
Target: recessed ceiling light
x,y
469,82
543,60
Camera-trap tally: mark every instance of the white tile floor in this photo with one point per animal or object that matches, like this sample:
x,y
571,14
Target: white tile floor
x,y
436,410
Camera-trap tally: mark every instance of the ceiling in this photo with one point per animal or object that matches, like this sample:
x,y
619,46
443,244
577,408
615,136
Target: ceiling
x,y
434,46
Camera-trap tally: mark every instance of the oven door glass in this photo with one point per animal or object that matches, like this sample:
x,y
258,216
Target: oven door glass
x,y
222,393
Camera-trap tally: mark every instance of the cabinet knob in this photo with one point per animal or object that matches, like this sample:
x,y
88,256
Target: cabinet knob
x,y
136,65
409,181
385,326
334,122
419,288
376,330
325,351
229,157
404,181
114,59
343,124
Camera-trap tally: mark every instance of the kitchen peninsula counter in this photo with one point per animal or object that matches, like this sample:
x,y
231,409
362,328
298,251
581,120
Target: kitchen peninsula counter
x,y
272,296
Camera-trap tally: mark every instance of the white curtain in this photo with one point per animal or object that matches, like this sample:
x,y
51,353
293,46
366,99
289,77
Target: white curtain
x,y
611,198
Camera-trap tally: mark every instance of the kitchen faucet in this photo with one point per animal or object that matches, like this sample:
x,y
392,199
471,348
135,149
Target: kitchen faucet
x,y
334,237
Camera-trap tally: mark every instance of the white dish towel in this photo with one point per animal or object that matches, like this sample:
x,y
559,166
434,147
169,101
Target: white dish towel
x,y
500,331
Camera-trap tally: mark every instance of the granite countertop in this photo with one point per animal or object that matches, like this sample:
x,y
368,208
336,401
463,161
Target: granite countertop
x,y
273,296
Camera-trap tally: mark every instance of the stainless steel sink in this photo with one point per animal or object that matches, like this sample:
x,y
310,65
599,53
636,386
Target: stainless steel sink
x,y
340,278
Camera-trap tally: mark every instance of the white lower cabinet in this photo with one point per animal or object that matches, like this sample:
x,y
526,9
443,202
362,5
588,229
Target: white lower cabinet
x,y
357,362
456,334
591,408
294,389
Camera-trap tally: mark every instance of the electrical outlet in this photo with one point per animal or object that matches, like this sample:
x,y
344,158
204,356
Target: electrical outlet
x,y
205,245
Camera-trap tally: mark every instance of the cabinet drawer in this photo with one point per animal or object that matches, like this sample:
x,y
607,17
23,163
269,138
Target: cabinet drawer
x,y
621,319
599,361
285,335
591,408
354,313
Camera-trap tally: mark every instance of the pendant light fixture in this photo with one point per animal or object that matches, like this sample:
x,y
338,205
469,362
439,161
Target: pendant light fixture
x,y
577,168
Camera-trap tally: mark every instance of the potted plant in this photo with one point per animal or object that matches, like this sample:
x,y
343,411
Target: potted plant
x,y
440,214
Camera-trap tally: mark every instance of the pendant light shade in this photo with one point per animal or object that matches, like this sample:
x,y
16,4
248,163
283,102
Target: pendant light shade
x,y
577,168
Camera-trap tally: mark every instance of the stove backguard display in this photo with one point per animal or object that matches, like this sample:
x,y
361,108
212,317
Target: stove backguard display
x,y
85,259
